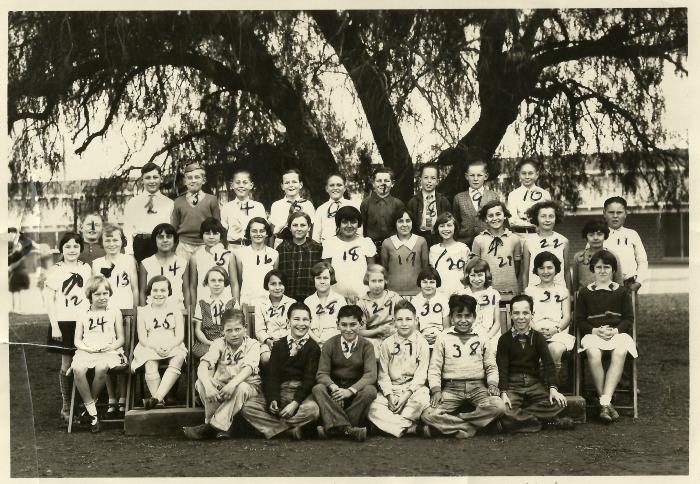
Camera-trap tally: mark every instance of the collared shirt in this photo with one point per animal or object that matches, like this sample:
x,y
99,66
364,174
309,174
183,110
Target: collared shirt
x,y
324,220
519,202
270,319
228,362
628,246
403,361
91,252
140,220
217,305
295,345
409,243
476,195
280,210
236,214
187,218
606,287
516,333
429,211
377,215
348,347
324,316
462,357
205,259
379,311
194,198
295,262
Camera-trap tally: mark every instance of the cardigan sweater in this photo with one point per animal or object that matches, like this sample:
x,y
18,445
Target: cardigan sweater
x,y
598,307
360,368
300,367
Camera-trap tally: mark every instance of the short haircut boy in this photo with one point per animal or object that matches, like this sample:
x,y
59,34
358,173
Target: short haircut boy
x,y
478,162
543,257
383,169
606,257
350,311
429,273
292,171
233,315
425,166
298,306
522,297
615,199
242,171
460,302
149,167
526,161
404,304
348,213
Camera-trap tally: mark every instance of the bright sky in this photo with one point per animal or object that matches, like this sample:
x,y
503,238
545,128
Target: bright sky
x,y
105,155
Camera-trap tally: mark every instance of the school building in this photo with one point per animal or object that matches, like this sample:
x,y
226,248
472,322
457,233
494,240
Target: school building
x,y
46,210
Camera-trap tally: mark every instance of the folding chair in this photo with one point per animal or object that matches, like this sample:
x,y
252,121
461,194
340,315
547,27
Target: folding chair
x,y
162,365
632,391
129,324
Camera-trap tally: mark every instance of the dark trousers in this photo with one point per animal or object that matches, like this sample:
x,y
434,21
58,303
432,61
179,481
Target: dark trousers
x,y
143,247
530,404
353,412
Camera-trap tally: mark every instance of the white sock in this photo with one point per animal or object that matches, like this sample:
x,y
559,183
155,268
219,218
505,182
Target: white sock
x,y
605,400
91,409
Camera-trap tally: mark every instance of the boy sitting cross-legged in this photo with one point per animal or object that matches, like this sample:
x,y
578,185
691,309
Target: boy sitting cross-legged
x,y
403,371
462,358
228,375
289,377
529,400
347,372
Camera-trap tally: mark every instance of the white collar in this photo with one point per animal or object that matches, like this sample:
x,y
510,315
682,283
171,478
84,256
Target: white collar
x,y
349,343
610,287
476,190
506,233
410,243
433,193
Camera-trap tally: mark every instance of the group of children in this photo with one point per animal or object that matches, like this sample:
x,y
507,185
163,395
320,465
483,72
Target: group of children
x,y
384,311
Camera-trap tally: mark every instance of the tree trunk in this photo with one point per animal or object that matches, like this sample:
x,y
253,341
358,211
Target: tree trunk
x,y
370,86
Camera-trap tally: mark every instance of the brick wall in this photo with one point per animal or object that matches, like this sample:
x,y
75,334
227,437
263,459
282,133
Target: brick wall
x,y
646,224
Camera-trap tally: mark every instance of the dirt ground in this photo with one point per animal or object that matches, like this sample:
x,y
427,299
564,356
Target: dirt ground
x,y
657,443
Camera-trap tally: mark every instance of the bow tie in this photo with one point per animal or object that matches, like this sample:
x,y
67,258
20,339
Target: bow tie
x,y
348,348
296,345
72,281
493,246
106,271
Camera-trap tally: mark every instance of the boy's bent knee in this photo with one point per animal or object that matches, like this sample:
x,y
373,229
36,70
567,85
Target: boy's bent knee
x,y
369,392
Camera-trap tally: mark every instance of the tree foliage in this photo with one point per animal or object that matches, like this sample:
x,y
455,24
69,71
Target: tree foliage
x,y
253,88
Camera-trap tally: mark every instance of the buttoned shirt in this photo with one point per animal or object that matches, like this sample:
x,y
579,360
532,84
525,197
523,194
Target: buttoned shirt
x,y
519,202
280,210
236,214
429,211
476,195
141,220
324,220
403,361
377,215
628,246
228,362
271,320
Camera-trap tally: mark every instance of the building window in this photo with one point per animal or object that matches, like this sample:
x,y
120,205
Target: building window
x,y
675,229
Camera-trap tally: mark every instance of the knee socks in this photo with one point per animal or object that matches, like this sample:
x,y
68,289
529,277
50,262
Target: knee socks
x,y
172,373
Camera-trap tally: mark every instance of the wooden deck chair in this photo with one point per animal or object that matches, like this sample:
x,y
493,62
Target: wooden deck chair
x,y
630,369
138,376
128,322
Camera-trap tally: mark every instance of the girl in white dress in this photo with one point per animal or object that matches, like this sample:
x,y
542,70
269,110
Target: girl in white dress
x,y
161,334
214,253
449,257
255,260
65,299
552,307
99,339
432,308
271,321
545,215
478,284
120,270
165,263
349,253
324,304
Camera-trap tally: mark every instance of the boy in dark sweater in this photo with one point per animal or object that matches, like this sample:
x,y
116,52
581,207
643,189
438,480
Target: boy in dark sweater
x,y
529,401
347,373
289,377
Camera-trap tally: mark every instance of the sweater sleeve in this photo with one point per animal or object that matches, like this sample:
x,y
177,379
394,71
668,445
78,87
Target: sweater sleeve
x,y
435,366
309,377
323,374
215,208
582,312
384,379
271,386
490,367
369,376
421,373
503,360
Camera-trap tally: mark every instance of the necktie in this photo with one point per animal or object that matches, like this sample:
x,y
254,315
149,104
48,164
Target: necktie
x,y
295,346
476,196
195,198
149,204
333,209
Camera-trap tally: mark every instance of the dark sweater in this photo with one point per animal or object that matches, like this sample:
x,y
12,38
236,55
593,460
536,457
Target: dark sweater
x,y
300,367
188,219
600,307
357,372
512,357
